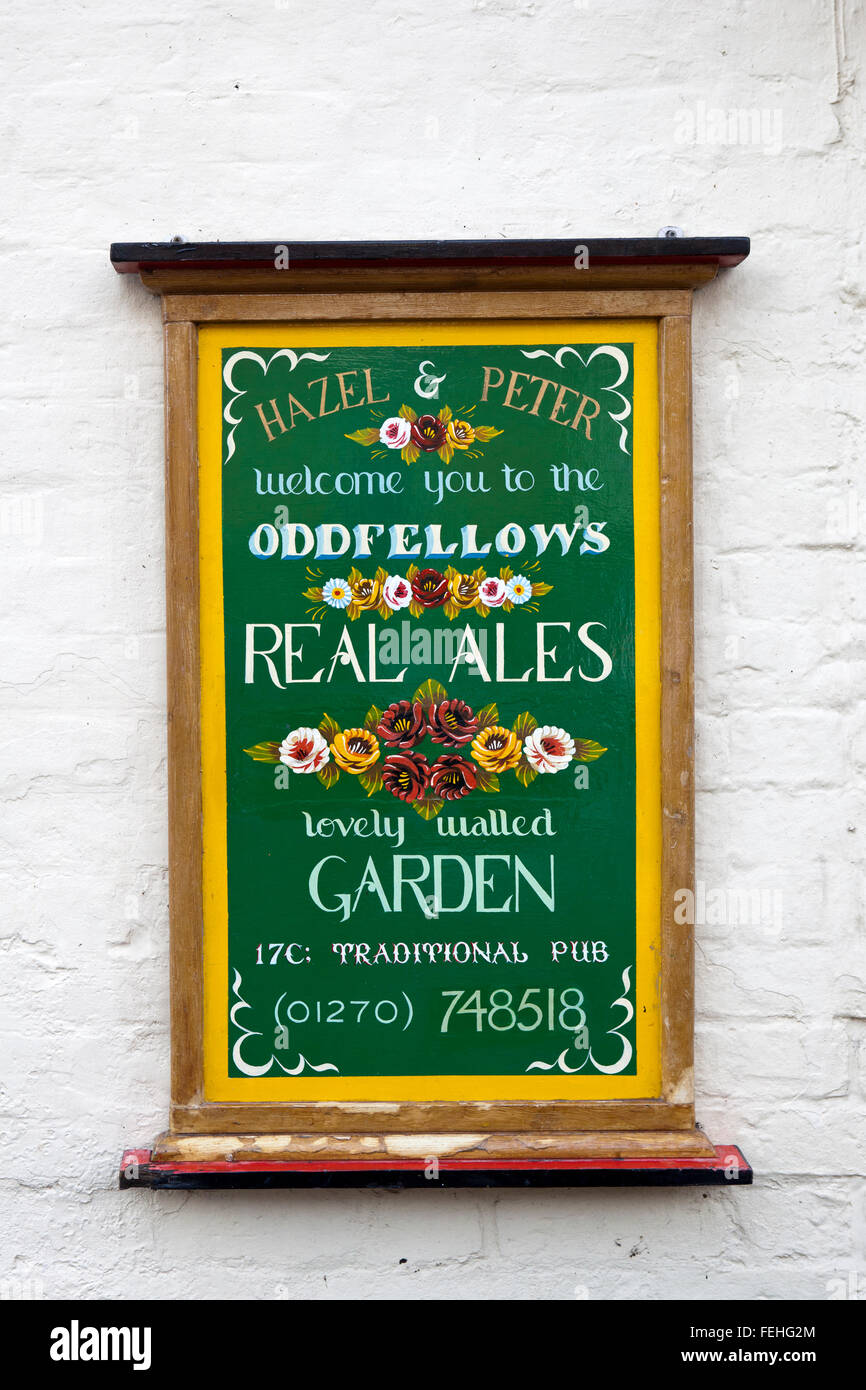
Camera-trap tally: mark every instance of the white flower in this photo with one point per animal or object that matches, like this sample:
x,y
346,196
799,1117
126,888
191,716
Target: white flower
x,y
395,432
518,589
549,749
337,593
304,750
492,592
397,591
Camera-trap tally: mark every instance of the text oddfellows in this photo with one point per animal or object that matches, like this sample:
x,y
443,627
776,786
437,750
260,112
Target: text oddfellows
x,y
429,579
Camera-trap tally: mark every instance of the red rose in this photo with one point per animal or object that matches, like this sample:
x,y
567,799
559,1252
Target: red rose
x,y
452,722
452,777
406,775
429,588
402,725
429,433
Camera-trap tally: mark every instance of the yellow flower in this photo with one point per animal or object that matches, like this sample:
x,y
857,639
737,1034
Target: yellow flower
x,y
463,590
497,749
354,750
366,593
460,434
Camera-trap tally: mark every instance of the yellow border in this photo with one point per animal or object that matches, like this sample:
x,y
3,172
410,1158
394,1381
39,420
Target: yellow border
x,y
643,334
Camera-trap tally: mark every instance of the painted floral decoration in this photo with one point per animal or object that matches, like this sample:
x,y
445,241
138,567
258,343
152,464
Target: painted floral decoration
x,y
336,593
415,434
402,724
497,749
549,749
355,750
471,750
453,777
396,593
406,775
429,588
421,590
304,750
452,722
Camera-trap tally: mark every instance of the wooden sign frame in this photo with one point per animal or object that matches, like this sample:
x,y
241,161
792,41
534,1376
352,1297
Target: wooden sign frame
x,y
652,280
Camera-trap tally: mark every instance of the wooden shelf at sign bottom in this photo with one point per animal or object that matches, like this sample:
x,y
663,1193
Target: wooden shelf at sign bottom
x,y
243,1161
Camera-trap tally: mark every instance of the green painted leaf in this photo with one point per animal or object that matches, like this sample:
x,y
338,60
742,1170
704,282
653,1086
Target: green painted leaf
x,y
487,781
524,724
430,693
487,716
328,774
525,773
408,413
427,806
371,718
371,780
328,727
446,451
264,752
366,436
586,750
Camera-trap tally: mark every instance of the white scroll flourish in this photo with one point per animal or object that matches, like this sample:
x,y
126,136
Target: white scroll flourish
x,y
245,355
561,1065
607,350
246,1067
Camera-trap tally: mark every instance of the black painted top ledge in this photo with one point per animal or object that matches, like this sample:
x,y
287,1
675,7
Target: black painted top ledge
x,y
132,257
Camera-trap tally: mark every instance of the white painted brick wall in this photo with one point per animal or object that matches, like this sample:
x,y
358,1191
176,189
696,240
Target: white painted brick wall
x,y
492,118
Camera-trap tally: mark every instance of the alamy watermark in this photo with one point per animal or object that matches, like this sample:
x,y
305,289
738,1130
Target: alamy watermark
x,y
850,1287
729,905
760,127
22,1289
22,515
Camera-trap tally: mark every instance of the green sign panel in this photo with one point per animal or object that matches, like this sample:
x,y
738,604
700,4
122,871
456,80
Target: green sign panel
x,y
430,710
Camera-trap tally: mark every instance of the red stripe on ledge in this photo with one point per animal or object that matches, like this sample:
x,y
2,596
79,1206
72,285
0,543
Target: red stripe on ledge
x,y
726,1154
